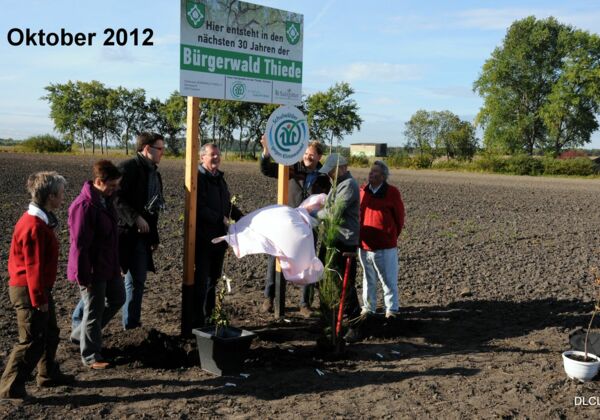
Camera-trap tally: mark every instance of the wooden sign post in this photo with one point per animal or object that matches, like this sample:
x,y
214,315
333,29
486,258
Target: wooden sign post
x,y
191,188
282,198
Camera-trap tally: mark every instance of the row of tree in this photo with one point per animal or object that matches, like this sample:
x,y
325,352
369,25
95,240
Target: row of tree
x,y
90,113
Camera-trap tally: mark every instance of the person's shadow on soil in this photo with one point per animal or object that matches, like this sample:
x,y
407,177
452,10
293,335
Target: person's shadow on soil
x,y
460,327
472,324
278,386
77,400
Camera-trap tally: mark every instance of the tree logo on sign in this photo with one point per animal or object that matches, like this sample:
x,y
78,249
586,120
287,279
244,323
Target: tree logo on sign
x,y
238,89
292,32
195,13
289,133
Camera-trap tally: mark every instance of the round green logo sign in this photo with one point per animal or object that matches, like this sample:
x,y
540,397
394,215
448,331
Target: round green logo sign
x,y
287,134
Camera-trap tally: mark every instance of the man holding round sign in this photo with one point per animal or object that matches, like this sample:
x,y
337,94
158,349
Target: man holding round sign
x,y
286,141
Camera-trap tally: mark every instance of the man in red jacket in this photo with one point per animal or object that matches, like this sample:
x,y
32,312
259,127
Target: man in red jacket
x,y
32,265
381,221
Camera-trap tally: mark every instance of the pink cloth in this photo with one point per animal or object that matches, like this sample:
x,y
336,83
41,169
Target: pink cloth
x,y
281,231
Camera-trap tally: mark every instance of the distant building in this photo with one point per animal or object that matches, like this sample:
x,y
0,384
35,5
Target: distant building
x,y
369,149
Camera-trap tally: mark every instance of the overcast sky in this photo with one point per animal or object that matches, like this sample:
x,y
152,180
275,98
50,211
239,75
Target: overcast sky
x,y
399,56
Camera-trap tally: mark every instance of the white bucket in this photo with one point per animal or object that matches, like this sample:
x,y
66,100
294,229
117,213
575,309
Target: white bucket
x,y
582,371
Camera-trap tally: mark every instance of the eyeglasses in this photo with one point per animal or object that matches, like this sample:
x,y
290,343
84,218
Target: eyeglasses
x,y
157,148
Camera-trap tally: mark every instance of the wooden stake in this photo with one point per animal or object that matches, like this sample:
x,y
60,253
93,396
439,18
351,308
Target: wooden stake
x,y
192,140
282,198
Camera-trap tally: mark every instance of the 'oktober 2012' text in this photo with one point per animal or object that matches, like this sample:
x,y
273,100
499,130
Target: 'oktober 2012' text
x,y
112,37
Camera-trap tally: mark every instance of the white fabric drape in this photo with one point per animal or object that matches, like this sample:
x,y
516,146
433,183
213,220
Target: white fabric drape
x,y
284,232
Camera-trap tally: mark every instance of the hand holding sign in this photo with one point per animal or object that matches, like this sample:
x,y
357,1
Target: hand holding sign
x,y
265,145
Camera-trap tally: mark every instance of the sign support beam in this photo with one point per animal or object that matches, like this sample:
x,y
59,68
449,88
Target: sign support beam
x,y
192,140
282,198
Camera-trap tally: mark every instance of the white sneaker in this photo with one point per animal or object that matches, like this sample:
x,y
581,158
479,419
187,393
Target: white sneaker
x,y
365,311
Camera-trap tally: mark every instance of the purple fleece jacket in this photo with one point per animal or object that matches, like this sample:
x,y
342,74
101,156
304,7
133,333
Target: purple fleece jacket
x,y
94,250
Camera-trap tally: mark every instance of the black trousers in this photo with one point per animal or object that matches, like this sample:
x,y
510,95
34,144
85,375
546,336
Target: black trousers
x,y
209,268
307,290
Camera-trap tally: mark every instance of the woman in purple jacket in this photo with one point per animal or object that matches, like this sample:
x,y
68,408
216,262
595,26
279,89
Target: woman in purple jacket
x,y
94,261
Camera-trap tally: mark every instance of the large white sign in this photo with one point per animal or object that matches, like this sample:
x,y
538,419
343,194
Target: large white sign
x,y
240,51
287,135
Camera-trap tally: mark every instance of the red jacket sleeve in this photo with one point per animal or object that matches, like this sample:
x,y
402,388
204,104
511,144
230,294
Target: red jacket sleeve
x,y
33,251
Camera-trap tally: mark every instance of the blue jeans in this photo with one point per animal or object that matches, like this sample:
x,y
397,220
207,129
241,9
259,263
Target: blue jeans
x,y
135,281
380,266
96,308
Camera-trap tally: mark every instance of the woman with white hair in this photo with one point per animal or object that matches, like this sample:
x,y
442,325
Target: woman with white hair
x,y
32,266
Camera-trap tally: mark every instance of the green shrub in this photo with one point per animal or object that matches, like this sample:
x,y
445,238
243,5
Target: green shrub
x,y
524,165
552,166
44,144
421,161
398,160
451,164
578,166
359,160
490,163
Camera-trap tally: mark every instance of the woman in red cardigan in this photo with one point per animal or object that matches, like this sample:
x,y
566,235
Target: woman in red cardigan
x,y
32,264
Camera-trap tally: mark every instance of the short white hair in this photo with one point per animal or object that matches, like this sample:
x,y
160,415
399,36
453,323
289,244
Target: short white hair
x,y
41,184
206,146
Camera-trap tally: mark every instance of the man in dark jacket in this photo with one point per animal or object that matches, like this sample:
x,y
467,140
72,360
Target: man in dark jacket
x,y
214,211
139,203
305,180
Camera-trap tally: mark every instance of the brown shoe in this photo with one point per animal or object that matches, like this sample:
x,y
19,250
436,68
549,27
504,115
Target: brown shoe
x,y
305,311
99,365
267,306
